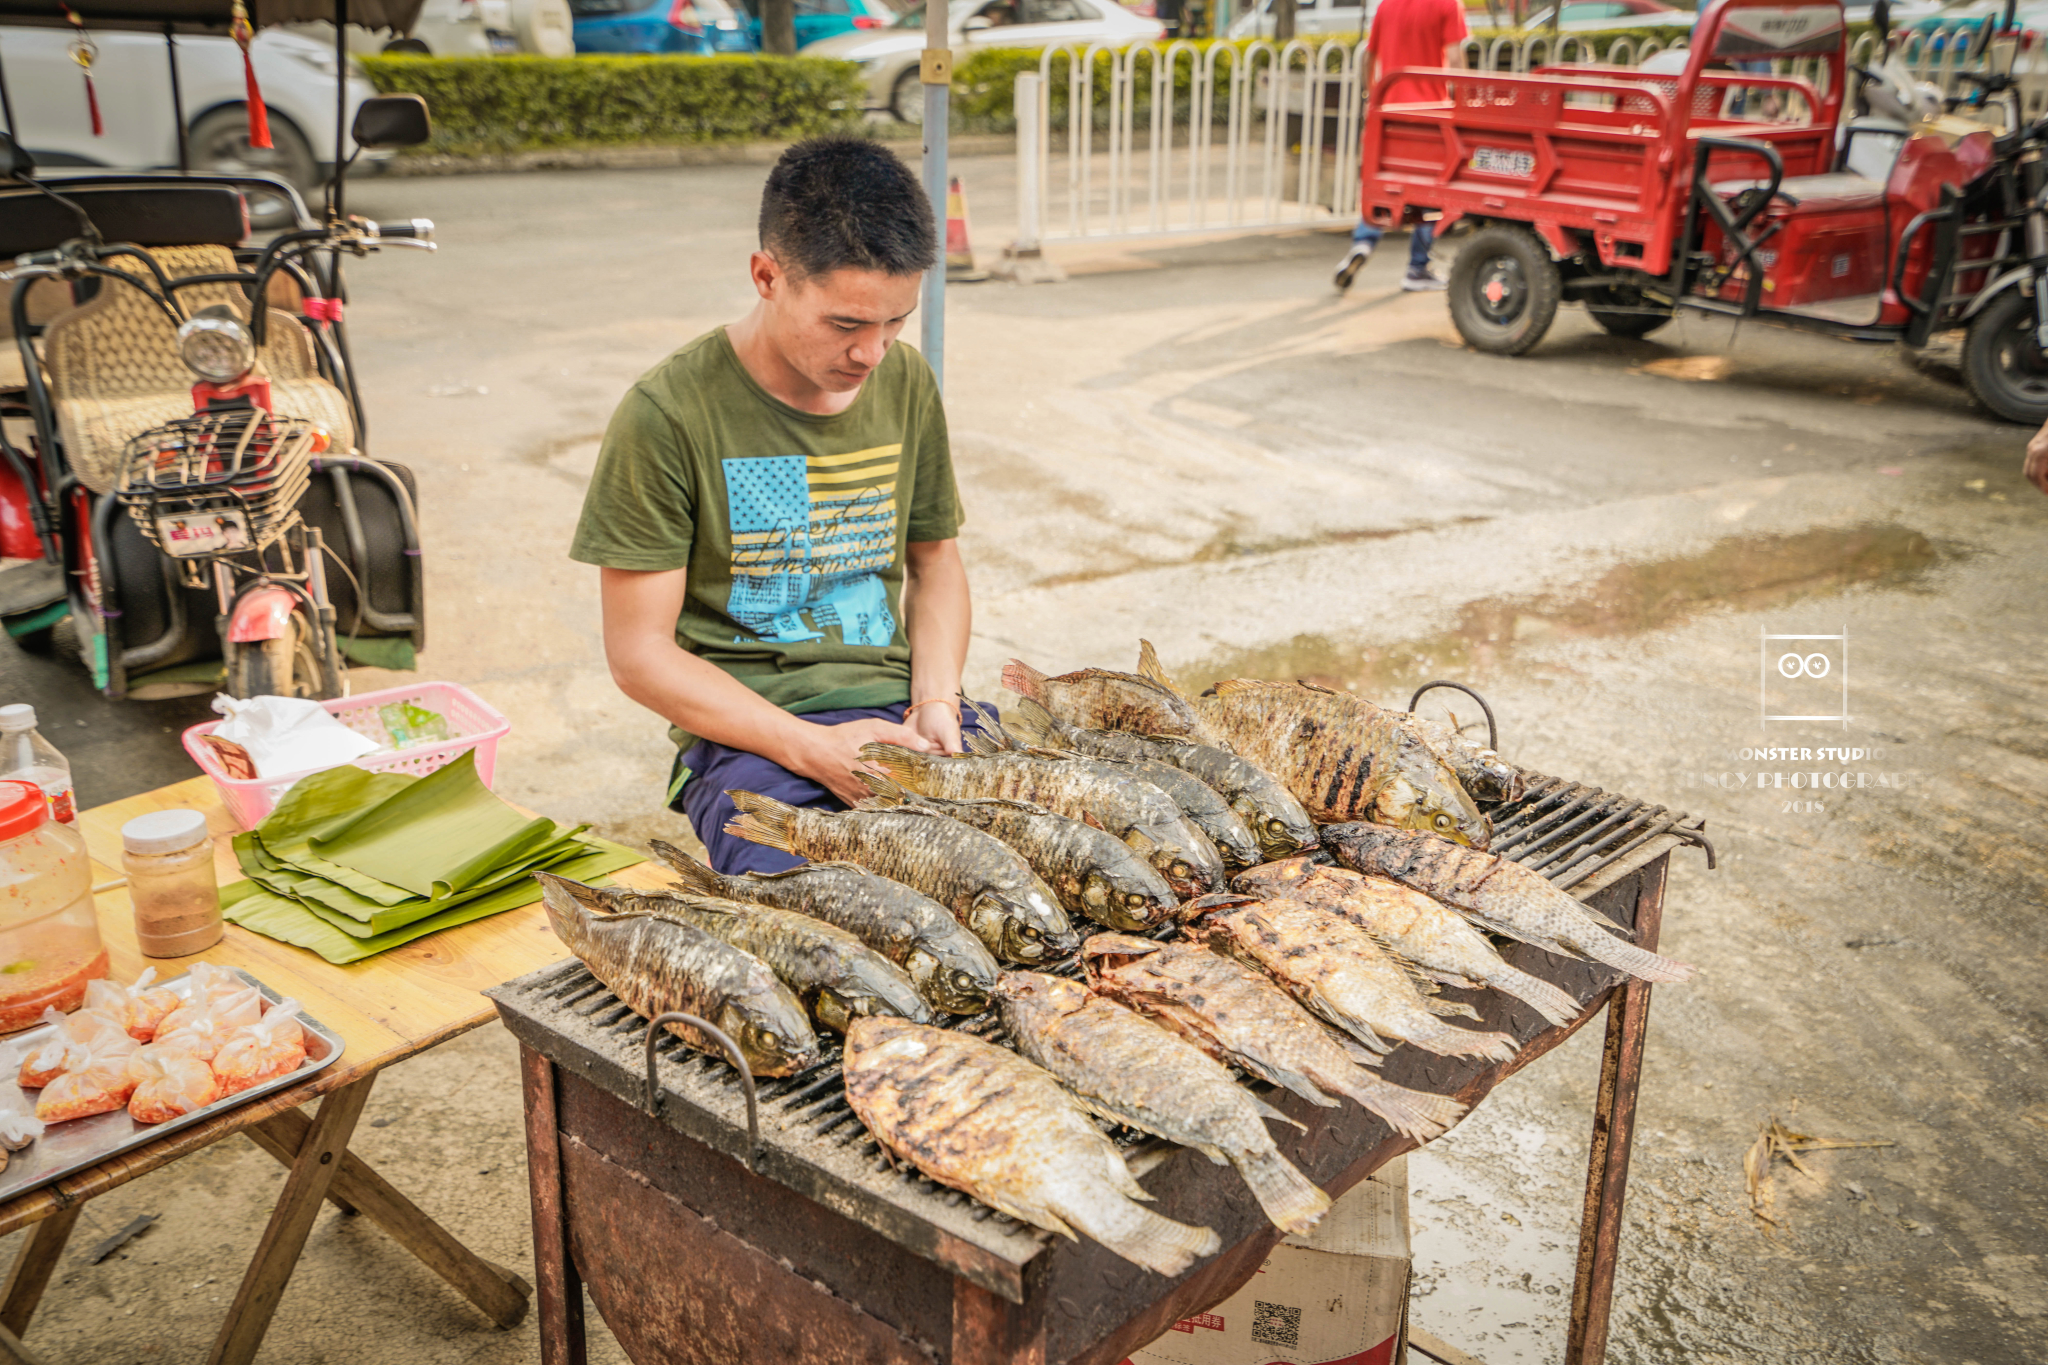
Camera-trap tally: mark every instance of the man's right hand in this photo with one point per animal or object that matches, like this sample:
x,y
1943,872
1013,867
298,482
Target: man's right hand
x,y
2036,467
830,754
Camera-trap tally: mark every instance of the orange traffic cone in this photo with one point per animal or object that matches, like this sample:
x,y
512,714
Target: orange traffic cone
x,y
959,251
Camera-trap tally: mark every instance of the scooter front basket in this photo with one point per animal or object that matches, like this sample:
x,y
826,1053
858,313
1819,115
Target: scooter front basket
x,y
219,482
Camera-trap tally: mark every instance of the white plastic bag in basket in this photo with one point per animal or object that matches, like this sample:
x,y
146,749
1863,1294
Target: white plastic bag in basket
x,y
288,734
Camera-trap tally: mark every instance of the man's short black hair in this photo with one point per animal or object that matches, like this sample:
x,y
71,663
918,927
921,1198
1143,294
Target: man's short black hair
x,y
839,203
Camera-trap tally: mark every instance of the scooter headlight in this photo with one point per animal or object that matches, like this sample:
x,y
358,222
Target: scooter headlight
x,y
216,346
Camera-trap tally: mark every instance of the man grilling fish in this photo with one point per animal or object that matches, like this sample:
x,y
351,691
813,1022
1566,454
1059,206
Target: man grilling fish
x,y
774,513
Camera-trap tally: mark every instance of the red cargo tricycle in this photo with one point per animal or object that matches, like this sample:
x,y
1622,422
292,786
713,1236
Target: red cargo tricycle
x,y
1724,188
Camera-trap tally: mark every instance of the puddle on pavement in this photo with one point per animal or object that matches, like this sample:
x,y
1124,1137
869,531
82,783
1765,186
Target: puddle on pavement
x,y
1745,572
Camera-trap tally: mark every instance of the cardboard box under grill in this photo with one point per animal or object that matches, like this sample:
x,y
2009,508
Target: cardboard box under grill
x,y
1334,1297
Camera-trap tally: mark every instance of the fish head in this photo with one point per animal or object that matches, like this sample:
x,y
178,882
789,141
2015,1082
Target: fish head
x,y
1236,849
956,982
1127,895
1030,1002
1030,926
1282,833
772,1031
1182,854
877,986
1103,954
1275,877
1439,808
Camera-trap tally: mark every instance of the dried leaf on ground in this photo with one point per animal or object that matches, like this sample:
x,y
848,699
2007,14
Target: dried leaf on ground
x,y
1774,1140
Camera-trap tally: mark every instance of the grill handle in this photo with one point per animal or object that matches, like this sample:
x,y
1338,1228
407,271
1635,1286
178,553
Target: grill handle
x,y
732,1050
1492,730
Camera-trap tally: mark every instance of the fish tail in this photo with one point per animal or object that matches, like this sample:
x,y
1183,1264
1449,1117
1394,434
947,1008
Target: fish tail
x,y
690,874
886,790
1637,962
900,763
763,820
1024,680
1465,1042
1550,1002
1289,1198
1412,1113
564,913
1139,1235
1031,723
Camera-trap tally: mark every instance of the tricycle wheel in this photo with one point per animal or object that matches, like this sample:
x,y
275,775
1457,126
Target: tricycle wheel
x,y
1504,289
2002,363
1624,312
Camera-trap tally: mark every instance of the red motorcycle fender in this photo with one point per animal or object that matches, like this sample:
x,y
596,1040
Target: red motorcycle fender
x,y
264,614
18,538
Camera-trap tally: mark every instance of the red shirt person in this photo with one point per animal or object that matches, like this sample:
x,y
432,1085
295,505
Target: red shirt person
x,y
1408,34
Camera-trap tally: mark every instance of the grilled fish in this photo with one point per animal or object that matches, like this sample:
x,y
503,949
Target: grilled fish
x,y
1276,820
1411,926
981,1119
1484,773
1133,1071
656,964
941,957
1238,1016
1102,700
838,977
1494,894
1093,872
1081,789
976,876
1334,967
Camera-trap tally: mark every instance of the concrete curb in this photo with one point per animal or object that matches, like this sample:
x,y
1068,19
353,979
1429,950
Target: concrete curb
x,y
658,157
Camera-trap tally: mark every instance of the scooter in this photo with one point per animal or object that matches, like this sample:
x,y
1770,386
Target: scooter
x,y
195,492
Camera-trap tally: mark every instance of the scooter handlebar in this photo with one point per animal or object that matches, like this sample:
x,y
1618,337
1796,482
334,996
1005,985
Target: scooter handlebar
x,y
415,231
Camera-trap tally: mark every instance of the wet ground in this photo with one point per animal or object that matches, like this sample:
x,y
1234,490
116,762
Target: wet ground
x,y
1202,445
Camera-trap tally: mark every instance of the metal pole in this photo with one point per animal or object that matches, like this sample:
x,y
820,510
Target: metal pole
x,y
340,114
6,103
177,98
935,70
1030,220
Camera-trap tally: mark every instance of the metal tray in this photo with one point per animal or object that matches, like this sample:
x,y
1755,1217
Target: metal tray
x,y
65,1148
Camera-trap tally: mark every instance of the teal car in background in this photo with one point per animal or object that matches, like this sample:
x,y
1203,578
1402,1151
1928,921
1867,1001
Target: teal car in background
x,y
820,19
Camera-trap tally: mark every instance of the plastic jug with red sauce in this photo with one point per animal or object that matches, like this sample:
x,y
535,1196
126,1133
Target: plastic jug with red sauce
x,y
49,934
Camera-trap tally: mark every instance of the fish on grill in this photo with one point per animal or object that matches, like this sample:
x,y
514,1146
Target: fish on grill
x,y
1100,699
1238,1016
1495,894
1093,872
1411,926
1334,968
1197,800
976,876
943,959
1276,820
838,977
1484,773
981,1119
657,965
1132,1071
1081,789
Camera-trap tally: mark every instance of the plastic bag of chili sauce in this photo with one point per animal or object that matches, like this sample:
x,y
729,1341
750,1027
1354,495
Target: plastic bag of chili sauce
x,y
64,1049
99,1085
140,1007
169,1082
227,1008
272,1047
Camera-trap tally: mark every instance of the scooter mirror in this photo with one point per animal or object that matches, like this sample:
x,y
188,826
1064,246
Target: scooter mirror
x,y
391,121
1881,20
15,163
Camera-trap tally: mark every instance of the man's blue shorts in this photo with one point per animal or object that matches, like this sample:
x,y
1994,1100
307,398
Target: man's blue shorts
x,y
716,770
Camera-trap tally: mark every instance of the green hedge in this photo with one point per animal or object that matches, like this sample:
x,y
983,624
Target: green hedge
x,y
487,105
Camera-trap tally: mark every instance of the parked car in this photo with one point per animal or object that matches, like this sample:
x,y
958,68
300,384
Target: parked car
x,y
1312,19
133,82
468,28
1595,15
888,58
817,20
690,27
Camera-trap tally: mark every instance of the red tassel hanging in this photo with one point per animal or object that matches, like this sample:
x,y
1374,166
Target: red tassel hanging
x,y
259,116
83,51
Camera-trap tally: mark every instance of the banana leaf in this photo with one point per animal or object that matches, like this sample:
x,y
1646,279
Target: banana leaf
x,y
323,804
351,913
444,833
282,918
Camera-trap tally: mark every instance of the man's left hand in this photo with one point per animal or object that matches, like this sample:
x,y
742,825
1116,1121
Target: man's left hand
x,y
2036,468
939,724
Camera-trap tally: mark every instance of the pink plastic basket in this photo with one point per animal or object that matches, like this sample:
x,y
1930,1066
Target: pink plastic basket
x,y
472,724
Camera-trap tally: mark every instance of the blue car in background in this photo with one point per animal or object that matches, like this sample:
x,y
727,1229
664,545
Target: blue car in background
x,y
817,20
686,27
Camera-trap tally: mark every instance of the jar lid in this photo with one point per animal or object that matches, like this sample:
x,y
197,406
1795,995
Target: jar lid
x,y
20,716
22,808
164,831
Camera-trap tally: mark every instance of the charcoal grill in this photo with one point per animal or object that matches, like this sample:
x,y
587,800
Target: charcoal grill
x,y
703,1247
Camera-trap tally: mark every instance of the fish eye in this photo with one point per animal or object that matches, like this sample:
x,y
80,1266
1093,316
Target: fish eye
x,y
1443,820
1135,899
963,981
1030,931
1181,867
1276,826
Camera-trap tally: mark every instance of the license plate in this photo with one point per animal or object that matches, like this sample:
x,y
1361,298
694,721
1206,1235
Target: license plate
x,y
1499,161
504,44
189,534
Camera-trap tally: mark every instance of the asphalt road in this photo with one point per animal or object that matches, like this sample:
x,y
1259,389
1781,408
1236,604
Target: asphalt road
x,y
1201,444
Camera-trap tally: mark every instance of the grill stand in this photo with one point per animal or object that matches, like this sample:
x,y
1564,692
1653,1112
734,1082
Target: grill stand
x,y
693,1259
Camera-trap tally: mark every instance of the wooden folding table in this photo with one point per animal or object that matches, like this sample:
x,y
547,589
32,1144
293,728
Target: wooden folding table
x,y
386,1009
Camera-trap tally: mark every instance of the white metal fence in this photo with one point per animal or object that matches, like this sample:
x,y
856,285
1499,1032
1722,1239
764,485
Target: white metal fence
x,y
1184,139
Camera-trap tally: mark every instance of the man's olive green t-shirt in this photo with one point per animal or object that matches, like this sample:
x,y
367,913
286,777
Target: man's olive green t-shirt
x,y
790,525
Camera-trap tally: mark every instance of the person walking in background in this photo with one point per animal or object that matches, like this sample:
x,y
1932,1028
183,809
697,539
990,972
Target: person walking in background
x,y
1405,34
